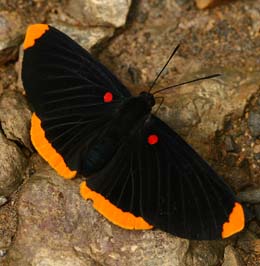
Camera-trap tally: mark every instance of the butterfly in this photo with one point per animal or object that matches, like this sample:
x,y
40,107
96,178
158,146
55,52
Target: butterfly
x,y
138,172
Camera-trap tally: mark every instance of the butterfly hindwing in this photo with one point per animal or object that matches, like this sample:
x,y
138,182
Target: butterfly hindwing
x,y
73,96
169,185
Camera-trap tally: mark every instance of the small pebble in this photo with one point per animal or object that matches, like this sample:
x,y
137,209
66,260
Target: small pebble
x,y
3,200
182,2
134,74
2,252
231,257
201,4
257,156
230,144
257,148
254,123
250,195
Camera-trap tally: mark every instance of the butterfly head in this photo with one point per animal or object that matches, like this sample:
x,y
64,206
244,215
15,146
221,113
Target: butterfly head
x,y
148,98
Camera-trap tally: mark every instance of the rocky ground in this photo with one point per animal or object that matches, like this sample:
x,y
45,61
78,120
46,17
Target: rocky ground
x,y
43,220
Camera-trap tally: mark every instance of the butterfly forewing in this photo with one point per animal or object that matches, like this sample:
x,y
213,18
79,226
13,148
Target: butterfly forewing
x,y
73,95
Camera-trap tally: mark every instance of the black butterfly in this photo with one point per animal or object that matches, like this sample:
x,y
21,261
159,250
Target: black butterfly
x,y
140,173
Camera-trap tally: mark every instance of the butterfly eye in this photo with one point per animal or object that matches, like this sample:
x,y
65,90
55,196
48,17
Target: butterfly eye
x,y
108,97
152,139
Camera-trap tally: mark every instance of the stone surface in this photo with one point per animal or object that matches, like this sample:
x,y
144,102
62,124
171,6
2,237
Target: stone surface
x,y
99,12
8,77
250,244
8,224
232,258
11,34
12,166
14,107
57,227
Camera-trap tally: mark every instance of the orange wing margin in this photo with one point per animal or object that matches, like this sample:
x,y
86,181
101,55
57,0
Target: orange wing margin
x,y
46,150
118,217
235,223
33,33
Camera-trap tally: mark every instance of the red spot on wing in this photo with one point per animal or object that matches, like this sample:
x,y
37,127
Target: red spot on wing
x,y
152,139
108,97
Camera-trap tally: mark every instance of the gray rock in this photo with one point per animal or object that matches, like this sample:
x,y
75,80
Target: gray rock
x,y
12,166
11,35
99,12
15,117
63,229
231,257
254,123
251,195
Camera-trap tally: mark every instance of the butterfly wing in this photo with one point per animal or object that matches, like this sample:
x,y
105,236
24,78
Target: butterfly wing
x,y
164,181
73,96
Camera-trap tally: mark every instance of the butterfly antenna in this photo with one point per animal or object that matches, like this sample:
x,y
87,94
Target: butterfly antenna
x,y
190,81
169,59
162,100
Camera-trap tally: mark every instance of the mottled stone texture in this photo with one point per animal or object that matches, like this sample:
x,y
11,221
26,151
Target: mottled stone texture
x,y
11,34
100,12
12,166
15,117
86,37
57,227
232,258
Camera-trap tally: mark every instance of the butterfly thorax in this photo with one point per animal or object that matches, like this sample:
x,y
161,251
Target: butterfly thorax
x,y
138,105
148,98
